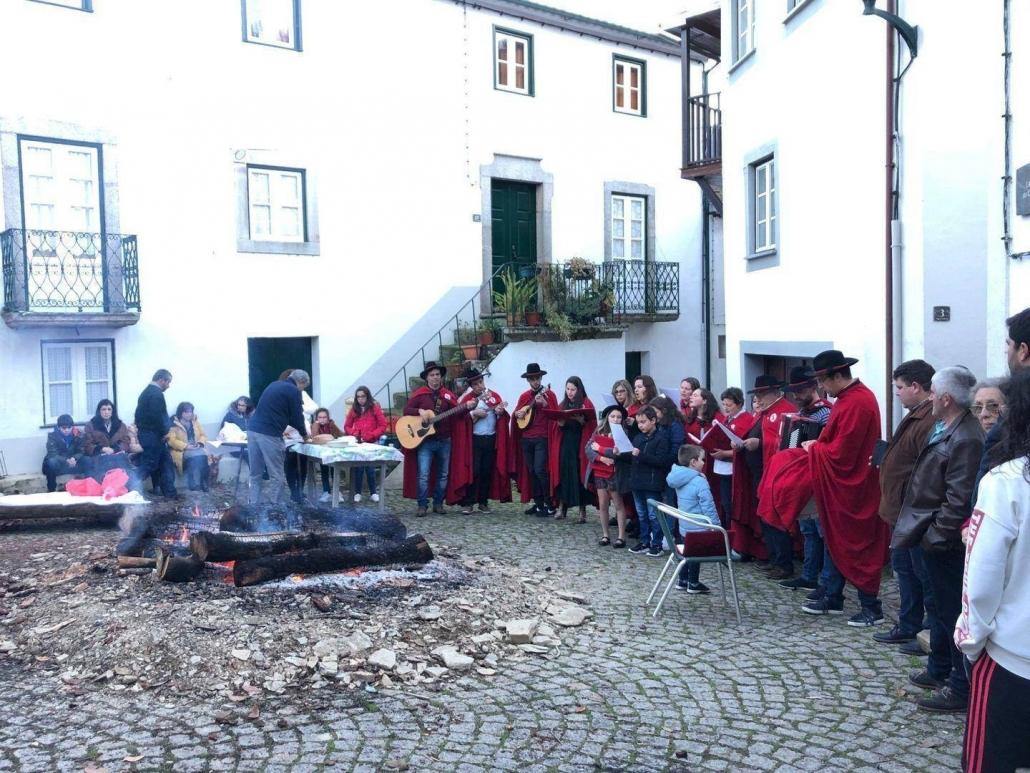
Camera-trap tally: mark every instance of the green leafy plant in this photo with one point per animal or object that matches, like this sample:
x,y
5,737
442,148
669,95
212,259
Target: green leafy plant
x,y
558,321
467,333
514,297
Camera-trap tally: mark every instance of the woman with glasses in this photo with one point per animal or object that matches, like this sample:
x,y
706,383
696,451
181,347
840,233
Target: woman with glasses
x,y
988,402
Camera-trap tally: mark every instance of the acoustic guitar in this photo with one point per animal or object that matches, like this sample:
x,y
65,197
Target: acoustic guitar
x,y
525,420
412,430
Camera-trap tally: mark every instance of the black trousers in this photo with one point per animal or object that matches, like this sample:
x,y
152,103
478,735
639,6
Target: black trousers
x,y
296,468
944,568
484,462
534,456
996,725
780,546
156,460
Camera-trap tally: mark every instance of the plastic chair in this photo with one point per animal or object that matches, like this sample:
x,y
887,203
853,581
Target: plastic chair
x,y
677,558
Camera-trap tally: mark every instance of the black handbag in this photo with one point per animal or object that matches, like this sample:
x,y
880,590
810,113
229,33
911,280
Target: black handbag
x,y
911,527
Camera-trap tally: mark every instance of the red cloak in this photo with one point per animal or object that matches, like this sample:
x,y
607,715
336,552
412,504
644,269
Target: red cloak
x,y
461,446
516,467
745,530
554,446
714,439
461,456
847,488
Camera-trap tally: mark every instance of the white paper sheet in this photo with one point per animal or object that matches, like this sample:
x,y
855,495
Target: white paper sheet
x,y
622,442
729,433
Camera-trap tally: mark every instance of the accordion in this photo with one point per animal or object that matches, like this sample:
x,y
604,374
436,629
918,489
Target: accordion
x,y
796,429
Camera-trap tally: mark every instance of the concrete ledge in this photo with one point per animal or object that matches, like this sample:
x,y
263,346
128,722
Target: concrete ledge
x,y
29,319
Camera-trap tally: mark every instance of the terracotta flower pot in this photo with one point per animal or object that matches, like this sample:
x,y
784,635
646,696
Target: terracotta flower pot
x,y
470,351
486,337
533,318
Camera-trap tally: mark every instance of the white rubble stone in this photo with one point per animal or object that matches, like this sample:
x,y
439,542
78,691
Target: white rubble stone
x,y
384,659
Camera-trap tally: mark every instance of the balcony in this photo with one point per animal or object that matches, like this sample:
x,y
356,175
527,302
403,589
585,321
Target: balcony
x,y
702,147
69,278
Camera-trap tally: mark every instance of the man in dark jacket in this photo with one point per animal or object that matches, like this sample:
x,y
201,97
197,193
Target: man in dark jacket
x,y
652,461
912,386
64,452
279,407
152,424
938,500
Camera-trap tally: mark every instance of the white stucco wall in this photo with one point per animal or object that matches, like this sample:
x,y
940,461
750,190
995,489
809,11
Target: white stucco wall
x,y
391,108
813,92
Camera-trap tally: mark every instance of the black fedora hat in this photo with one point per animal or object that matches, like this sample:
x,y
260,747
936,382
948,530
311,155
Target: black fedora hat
x,y
799,379
430,367
472,374
765,383
533,369
828,362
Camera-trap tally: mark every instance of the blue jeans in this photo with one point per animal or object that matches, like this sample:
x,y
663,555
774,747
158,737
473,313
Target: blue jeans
x,y
814,549
835,587
195,470
647,515
433,449
360,473
910,614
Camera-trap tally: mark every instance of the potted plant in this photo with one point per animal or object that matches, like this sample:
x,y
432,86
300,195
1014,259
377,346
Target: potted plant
x,y
513,297
579,268
489,331
467,338
456,366
559,322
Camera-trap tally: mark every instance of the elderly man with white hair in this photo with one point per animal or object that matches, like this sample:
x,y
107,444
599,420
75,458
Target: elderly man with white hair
x,y
279,407
938,500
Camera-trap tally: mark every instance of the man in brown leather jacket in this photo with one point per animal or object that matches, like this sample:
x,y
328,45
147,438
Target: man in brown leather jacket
x,y
940,493
912,386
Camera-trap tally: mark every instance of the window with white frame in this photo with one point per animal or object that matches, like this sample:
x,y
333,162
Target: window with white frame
x,y
763,205
513,62
628,227
276,202
744,27
272,22
60,186
629,82
76,376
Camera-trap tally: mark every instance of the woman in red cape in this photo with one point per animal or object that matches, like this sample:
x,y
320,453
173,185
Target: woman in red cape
x,y
703,412
566,450
461,446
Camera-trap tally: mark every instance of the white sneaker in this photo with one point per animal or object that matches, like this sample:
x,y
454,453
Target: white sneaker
x,y
357,497
375,497
326,497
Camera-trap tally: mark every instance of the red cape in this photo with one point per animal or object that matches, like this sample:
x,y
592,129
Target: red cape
x,y
461,448
461,459
847,488
516,468
714,440
745,528
554,446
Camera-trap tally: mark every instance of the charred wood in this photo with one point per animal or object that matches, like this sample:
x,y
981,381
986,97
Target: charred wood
x,y
233,546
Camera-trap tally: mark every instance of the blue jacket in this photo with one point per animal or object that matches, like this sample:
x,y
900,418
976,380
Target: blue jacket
x,y
651,465
677,436
693,496
280,406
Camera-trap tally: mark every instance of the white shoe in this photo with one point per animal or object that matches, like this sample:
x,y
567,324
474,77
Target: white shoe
x,y
375,497
357,497
326,497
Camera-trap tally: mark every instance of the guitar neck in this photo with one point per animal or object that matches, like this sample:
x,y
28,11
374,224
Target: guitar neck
x,y
448,413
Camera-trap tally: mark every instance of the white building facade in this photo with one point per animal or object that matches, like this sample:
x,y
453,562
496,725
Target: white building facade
x,y
806,219
229,189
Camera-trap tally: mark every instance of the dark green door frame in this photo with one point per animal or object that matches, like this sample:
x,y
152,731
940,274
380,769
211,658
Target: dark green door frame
x,y
513,216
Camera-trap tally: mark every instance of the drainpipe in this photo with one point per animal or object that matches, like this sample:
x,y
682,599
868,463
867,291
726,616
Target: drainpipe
x,y
1006,198
706,286
892,229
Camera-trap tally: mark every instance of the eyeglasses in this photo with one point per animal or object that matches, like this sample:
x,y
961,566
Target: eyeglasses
x,y
978,408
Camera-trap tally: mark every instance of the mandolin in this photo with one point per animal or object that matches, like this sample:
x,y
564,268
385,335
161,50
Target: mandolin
x,y
412,430
525,420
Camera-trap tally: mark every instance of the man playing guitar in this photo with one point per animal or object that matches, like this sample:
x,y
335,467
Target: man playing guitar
x,y
530,441
434,453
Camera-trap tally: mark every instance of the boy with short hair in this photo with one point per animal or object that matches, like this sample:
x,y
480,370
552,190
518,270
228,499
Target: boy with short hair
x,y
694,496
651,453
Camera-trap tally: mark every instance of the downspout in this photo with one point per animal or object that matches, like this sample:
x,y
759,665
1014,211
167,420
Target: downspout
x,y
1006,199
892,227
706,286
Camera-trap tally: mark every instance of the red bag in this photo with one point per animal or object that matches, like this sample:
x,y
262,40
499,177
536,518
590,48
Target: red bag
x,y
112,486
83,487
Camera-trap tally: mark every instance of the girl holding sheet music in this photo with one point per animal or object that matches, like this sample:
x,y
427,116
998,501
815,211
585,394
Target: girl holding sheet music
x,y
609,473
671,422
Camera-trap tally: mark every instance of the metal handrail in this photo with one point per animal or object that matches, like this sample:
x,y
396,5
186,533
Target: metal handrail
x,y
704,143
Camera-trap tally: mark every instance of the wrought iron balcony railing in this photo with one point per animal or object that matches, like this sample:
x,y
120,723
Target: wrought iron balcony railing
x,y
614,291
69,271
703,143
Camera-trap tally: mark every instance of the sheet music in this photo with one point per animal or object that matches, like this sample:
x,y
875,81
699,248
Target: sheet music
x,y
729,433
622,442
693,438
608,400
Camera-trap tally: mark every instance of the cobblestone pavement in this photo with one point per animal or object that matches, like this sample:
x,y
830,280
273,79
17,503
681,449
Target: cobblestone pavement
x,y
688,691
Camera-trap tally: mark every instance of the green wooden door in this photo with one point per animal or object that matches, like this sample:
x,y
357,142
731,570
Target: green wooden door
x,y
268,357
513,213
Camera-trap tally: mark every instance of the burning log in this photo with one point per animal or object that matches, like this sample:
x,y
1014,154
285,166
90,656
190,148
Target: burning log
x,y
232,546
177,568
414,550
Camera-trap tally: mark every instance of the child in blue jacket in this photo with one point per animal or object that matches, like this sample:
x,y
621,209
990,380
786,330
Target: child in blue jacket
x,y
694,496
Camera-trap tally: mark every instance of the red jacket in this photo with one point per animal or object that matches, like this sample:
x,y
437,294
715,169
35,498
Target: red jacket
x,y
367,427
